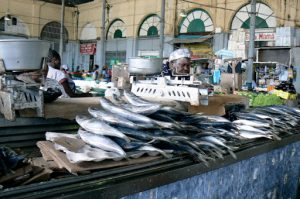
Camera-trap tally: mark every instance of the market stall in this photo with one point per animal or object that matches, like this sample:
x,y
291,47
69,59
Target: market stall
x,y
122,144
257,162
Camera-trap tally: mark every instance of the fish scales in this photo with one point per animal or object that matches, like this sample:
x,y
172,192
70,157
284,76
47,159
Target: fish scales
x,y
99,127
101,142
108,106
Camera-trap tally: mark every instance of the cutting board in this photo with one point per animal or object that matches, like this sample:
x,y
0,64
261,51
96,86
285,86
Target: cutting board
x,y
48,150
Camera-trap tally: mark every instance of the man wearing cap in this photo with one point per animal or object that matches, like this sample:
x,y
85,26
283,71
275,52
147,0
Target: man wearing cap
x,y
180,61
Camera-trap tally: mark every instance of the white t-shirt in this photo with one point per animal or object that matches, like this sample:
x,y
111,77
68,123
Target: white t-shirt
x,y
53,78
58,75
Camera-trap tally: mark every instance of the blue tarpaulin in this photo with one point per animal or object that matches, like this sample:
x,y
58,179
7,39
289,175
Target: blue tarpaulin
x,y
225,54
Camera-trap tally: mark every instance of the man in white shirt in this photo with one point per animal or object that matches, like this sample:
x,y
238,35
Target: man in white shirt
x,y
55,73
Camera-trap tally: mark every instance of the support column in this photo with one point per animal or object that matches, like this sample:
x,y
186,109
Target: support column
x,y
162,29
102,39
251,44
61,39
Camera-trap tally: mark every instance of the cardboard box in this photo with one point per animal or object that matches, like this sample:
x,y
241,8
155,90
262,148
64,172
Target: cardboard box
x,y
216,104
227,80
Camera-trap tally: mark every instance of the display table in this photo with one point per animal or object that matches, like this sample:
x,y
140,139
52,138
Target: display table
x,y
263,169
66,108
269,169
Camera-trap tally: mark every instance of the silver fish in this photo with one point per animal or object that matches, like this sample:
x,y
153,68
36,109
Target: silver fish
x,y
111,118
87,154
217,141
136,101
101,142
264,117
251,123
99,127
167,125
108,106
251,128
52,136
174,111
136,154
256,130
253,135
150,148
144,110
216,118
74,145
249,116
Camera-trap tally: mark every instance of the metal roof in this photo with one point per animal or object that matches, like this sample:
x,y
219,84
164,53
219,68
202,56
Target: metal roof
x,y
69,3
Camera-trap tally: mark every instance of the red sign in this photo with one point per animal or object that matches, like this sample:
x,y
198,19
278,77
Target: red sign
x,y
264,36
89,49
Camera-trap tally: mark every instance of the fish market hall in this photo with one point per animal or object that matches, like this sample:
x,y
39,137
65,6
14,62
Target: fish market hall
x,y
149,99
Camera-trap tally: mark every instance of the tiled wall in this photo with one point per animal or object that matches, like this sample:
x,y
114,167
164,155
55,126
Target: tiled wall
x,y
270,175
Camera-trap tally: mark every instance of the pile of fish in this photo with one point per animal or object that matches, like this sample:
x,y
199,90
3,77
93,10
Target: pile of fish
x,y
130,128
267,122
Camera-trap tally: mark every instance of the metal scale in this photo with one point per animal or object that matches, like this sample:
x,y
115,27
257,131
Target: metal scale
x,y
17,57
179,88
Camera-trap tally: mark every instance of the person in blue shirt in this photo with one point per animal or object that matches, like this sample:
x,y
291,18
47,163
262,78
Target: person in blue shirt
x,y
166,71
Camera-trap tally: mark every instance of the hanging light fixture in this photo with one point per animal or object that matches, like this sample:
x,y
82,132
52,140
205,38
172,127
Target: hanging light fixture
x,y
7,15
182,13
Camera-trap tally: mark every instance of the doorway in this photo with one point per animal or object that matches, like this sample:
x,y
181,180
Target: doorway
x,y
91,62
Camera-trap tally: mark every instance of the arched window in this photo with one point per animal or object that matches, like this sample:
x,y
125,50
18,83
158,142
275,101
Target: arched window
x,y
265,17
88,32
116,29
51,32
196,21
150,26
14,26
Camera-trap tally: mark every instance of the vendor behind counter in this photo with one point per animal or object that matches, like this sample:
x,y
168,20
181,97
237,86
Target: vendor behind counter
x,y
57,79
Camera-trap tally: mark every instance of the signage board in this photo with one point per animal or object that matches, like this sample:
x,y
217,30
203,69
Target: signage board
x,y
88,49
262,36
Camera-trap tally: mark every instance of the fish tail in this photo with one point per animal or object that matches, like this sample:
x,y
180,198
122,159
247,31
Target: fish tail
x,y
127,139
276,137
232,154
203,161
126,157
232,148
151,141
168,156
218,154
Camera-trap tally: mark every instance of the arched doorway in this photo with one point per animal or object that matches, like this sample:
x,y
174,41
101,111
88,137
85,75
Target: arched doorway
x,y
194,32
88,46
116,42
149,26
148,36
265,17
265,24
51,32
116,29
